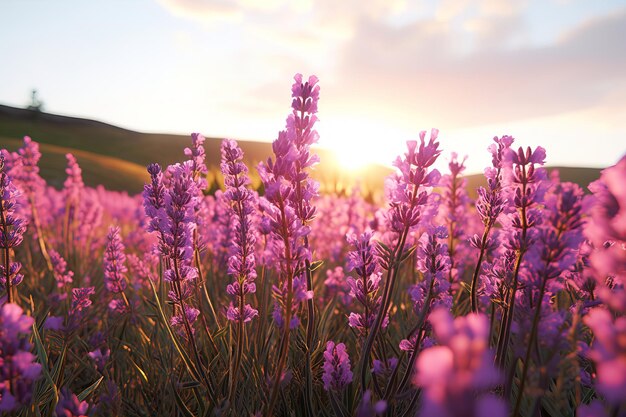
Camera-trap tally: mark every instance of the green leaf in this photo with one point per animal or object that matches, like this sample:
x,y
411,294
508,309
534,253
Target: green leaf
x,y
181,404
91,388
179,349
43,359
58,367
190,384
316,265
141,372
406,254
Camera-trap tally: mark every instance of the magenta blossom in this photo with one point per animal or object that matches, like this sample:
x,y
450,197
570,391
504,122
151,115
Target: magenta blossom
x,y
458,374
337,373
18,369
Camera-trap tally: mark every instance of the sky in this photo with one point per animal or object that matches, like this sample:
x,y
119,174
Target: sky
x,y
548,72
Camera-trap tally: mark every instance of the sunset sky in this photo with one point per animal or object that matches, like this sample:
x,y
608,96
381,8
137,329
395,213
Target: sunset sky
x,y
549,72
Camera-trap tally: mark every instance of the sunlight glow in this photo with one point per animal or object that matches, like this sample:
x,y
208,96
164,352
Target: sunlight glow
x,y
358,142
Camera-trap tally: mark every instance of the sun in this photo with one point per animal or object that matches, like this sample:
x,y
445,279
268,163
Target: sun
x,y
358,143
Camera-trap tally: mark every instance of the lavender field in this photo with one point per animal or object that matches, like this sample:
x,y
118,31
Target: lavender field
x,y
284,300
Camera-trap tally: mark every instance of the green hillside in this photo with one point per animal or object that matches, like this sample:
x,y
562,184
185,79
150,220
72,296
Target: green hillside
x,y
105,146
116,157
580,176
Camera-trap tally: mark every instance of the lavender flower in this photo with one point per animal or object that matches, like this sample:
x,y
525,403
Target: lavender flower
x,y
606,230
241,263
62,275
174,221
299,293
114,262
457,375
154,197
609,353
490,205
433,291
337,374
197,156
367,409
18,370
100,357
80,299
365,287
24,172
454,212
12,228
70,406
73,185
301,132
524,194
407,199
336,285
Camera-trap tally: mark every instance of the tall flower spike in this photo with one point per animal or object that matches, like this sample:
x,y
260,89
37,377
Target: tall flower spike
x,y
609,353
62,275
74,182
606,229
70,406
197,155
12,228
458,375
454,212
525,194
24,172
489,205
18,370
337,374
241,263
408,197
176,226
115,262
365,287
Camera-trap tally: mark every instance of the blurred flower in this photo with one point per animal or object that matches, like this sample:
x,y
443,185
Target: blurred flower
x,y
337,373
114,262
608,351
458,374
18,369
70,406
606,229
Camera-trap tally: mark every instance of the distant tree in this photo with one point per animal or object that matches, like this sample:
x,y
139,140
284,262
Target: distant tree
x,y
35,103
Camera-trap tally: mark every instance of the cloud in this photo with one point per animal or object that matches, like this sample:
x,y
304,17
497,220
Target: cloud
x,y
456,64
415,71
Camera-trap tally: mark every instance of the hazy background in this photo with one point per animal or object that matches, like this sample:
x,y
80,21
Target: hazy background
x,y
549,72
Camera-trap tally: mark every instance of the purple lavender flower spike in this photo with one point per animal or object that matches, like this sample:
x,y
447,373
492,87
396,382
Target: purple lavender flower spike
x,y
12,228
609,353
154,197
18,370
197,155
115,262
606,230
241,263
490,204
62,275
24,172
367,409
365,288
525,192
70,406
337,374
458,374
73,185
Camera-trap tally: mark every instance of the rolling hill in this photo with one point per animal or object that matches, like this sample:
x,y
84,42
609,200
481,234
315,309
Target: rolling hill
x,y
114,153
117,157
